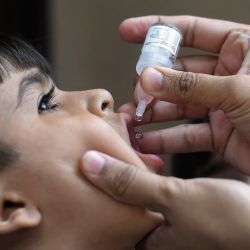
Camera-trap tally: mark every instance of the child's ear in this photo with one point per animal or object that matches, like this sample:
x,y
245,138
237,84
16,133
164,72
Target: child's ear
x,y
16,213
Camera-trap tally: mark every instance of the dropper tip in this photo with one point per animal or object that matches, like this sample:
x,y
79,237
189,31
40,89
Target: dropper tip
x,y
140,110
138,117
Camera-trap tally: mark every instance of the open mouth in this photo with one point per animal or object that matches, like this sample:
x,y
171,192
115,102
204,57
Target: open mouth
x,y
152,161
131,133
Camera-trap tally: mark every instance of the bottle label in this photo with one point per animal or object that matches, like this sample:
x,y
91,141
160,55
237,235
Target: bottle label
x,y
163,36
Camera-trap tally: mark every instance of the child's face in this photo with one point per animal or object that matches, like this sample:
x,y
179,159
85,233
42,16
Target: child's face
x,y
51,136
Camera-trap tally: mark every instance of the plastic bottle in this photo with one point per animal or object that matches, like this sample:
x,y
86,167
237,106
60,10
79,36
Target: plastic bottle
x,y
160,49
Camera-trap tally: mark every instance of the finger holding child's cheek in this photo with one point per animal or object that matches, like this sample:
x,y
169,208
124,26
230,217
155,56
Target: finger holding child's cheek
x,y
123,181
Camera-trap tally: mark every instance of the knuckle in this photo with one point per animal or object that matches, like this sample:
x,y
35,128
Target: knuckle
x,y
233,85
162,141
238,36
185,85
189,138
172,188
237,92
122,180
238,39
230,84
181,111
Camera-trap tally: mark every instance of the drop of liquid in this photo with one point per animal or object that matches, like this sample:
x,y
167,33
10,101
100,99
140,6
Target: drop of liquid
x,y
138,135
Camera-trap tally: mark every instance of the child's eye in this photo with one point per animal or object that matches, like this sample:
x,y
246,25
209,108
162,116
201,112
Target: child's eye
x,y
46,103
43,106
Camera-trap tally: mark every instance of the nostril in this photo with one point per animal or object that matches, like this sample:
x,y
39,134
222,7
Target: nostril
x,y
105,105
9,207
100,102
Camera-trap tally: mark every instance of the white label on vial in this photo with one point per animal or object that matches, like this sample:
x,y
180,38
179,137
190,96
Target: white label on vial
x,y
163,36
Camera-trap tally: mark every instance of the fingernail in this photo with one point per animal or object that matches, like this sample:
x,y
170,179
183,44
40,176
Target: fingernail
x,y
152,80
93,163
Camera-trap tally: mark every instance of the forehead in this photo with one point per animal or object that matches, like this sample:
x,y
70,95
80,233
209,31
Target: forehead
x,y
9,88
17,80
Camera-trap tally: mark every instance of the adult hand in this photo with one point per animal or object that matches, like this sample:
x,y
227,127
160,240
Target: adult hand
x,y
229,42
199,214
224,100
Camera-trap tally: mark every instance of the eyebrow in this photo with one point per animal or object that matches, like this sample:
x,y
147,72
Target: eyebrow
x,y
30,79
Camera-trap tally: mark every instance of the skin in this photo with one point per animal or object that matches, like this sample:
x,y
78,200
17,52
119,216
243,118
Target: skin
x,y
190,92
46,181
200,213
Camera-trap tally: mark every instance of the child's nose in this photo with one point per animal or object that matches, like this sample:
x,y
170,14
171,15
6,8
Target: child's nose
x,y
100,101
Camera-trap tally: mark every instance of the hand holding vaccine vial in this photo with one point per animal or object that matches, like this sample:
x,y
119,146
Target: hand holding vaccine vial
x,y
160,49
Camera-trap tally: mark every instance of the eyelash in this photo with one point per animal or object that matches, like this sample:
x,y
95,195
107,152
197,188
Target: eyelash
x,y
48,100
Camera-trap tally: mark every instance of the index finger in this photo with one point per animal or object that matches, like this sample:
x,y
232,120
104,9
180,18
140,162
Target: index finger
x,y
198,32
164,111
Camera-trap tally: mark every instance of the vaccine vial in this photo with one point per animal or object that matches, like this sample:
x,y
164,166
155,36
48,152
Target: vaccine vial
x,y
160,49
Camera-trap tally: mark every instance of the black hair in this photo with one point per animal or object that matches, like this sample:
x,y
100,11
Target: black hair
x,y
17,55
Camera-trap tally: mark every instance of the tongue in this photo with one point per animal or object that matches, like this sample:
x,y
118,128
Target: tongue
x,y
154,162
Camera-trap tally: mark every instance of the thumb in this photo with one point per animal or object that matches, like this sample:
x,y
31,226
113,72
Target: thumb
x,y
223,92
127,183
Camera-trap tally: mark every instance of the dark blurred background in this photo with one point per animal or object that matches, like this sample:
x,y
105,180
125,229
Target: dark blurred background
x,y
29,20
80,39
